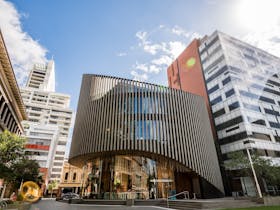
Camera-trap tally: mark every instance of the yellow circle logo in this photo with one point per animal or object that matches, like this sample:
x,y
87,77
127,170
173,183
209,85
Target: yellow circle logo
x,y
190,62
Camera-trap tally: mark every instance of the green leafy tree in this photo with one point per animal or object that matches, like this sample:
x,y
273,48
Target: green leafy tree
x,y
11,150
263,167
14,164
26,170
51,186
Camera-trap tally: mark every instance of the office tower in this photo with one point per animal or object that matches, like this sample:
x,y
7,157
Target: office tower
x,y
243,87
42,76
136,137
12,110
49,120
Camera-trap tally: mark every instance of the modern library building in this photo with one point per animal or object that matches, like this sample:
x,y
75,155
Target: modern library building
x,y
143,140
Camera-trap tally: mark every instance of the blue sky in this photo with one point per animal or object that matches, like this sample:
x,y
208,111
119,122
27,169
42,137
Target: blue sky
x,y
126,38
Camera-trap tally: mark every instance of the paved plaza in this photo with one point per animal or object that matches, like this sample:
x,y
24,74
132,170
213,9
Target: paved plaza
x,y
55,205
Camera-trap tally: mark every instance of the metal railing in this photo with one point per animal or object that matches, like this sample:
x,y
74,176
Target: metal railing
x,y
185,193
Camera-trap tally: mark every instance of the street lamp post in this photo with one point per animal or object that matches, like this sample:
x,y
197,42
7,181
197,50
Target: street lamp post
x,y
247,145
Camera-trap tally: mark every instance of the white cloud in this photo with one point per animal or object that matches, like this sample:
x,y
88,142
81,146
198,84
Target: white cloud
x,y
138,76
176,48
163,60
142,35
141,66
154,69
180,31
22,48
161,52
268,40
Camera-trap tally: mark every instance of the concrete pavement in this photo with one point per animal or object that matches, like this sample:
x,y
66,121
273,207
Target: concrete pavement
x,y
55,205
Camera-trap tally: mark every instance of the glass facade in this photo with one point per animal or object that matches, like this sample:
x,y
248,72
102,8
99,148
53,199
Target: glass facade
x,y
244,91
128,177
245,105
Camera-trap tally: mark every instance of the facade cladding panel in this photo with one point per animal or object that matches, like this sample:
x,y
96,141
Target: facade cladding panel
x,y
249,87
185,73
124,117
12,109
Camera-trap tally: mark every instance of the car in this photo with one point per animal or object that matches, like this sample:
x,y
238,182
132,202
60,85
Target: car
x,y
70,195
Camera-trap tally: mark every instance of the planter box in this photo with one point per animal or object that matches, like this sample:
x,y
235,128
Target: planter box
x,y
271,201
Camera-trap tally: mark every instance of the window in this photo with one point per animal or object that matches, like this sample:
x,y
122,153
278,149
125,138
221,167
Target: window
x,y
57,164
61,143
229,123
233,138
273,82
230,93
256,86
66,176
272,91
60,153
248,94
216,100
235,69
260,136
252,107
227,80
219,113
272,112
262,98
233,106
274,125
74,176
256,121
277,138
56,169
232,129
214,76
213,89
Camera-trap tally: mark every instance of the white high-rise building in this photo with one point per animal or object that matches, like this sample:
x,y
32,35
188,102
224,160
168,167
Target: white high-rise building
x,y
243,84
49,120
42,76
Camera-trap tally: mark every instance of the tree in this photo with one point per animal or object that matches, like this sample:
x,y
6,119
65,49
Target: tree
x,y
52,185
263,166
11,148
26,170
14,164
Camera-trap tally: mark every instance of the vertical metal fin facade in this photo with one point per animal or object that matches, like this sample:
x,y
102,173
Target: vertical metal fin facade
x,y
119,116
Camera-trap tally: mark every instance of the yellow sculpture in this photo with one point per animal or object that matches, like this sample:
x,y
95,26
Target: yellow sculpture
x,y
30,191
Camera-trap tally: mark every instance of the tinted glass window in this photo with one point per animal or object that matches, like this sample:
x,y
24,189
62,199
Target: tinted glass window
x,y
229,123
213,89
262,98
233,106
230,93
269,111
218,73
227,80
274,125
216,100
252,107
219,113
248,94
